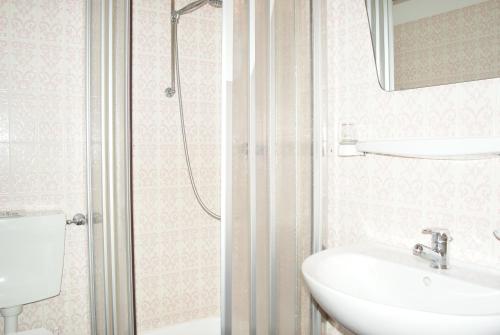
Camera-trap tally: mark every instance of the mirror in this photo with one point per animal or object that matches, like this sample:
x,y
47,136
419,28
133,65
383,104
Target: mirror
x,y
420,43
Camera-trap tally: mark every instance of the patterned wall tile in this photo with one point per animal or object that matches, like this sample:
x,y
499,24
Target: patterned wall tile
x,y
42,143
389,200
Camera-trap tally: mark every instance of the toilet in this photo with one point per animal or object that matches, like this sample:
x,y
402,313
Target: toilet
x,y
32,249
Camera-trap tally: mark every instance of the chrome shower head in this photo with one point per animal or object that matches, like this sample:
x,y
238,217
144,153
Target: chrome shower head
x,y
215,3
191,7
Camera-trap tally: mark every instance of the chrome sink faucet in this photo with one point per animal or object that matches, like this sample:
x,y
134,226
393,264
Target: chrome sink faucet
x,y
437,253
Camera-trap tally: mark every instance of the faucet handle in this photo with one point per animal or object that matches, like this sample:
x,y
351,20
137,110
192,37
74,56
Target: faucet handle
x,y
438,233
433,230
496,233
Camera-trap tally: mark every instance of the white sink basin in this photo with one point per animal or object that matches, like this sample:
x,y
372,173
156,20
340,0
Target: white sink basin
x,y
376,290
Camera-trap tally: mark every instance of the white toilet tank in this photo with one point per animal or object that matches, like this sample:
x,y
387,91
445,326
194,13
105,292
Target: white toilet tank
x,y
31,256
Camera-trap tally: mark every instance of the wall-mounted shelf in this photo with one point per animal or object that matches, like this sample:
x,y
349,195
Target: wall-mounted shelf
x,y
454,148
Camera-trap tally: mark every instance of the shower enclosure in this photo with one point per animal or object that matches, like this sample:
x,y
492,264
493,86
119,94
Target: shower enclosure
x,y
236,136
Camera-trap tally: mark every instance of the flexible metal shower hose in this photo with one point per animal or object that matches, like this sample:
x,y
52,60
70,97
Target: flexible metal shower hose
x,y
184,137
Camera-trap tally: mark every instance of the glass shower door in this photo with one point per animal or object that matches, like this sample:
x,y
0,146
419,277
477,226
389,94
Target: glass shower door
x,y
267,166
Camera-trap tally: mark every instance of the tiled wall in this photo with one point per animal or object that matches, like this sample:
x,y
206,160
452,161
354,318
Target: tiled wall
x,y
42,138
176,244
389,200
460,45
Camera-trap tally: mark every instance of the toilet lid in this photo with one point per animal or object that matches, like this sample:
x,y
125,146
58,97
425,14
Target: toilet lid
x,y
38,331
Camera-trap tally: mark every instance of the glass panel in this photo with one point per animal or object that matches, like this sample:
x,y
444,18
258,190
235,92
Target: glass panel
x,y
293,164
304,157
238,224
261,89
176,68
271,143
286,171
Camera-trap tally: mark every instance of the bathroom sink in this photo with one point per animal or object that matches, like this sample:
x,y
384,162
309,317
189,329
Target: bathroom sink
x,y
377,290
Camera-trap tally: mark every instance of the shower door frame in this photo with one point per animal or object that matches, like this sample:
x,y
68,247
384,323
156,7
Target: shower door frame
x,y
226,171
109,178
320,142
